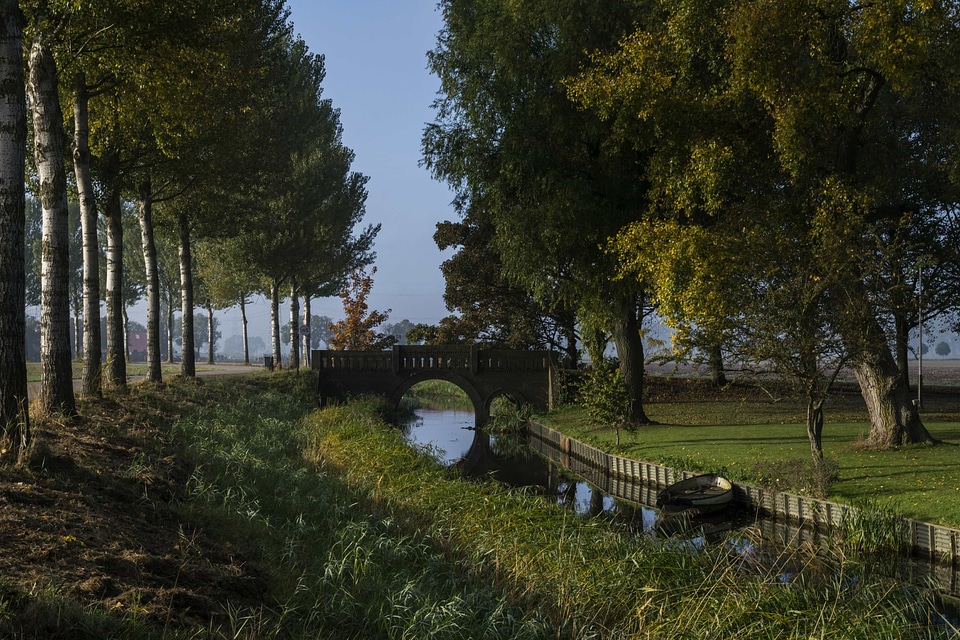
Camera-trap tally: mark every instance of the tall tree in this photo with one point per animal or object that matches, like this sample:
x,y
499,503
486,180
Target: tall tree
x,y
90,384
305,200
229,279
523,158
56,378
14,418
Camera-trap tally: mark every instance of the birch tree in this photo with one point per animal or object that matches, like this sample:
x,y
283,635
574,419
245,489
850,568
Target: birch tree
x,y
14,417
56,378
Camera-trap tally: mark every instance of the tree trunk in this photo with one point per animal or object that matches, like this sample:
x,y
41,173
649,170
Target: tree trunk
x,y
14,418
90,383
56,370
571,358
275,322
116,368
211,341
152,273
718,377
306,337
626,337
901,338
170,333
246,337
294,327
126,333
815,428
894,420
188,363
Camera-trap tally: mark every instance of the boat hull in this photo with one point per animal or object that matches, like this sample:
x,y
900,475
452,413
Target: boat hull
x,y
706,493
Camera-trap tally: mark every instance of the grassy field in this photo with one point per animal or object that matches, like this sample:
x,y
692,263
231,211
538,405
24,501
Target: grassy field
x,y
759,436
134,369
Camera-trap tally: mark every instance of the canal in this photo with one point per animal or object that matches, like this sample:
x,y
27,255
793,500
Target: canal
x,y
449,434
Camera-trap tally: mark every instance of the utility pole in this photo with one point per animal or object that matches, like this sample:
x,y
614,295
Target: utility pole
x,y
920,339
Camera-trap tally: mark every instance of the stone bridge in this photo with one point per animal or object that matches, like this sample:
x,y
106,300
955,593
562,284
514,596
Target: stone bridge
x,y
527,377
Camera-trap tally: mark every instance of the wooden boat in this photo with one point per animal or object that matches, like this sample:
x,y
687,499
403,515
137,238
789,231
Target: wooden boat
x,y
707,493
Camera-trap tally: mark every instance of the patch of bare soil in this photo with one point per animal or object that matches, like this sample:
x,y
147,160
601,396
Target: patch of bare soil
x,y
91,516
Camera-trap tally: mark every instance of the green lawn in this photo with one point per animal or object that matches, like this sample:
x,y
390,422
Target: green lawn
x,y
757,438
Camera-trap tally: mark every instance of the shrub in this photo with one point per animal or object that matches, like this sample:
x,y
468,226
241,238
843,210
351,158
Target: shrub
x,y
604,395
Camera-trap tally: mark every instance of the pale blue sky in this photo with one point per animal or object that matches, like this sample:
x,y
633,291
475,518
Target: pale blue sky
x,y
377,76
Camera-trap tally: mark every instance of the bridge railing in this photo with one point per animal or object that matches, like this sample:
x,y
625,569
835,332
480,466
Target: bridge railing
x,y
352,360
407,358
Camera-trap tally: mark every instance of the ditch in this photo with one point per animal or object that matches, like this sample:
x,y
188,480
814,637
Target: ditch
x,y
757,541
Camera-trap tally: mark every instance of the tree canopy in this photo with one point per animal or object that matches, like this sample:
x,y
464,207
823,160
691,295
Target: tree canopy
x,y
789,133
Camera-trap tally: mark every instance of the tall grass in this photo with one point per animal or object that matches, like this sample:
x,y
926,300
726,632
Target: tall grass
x,y
338,570
359,536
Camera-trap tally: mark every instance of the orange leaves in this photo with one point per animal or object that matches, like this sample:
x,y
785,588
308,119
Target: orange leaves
x,y
356,332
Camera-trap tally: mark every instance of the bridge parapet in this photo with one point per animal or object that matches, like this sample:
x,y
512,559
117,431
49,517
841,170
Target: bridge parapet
x,y
483,374
410,358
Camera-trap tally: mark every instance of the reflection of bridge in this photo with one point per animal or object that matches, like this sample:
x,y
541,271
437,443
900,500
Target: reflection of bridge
x,y
525,376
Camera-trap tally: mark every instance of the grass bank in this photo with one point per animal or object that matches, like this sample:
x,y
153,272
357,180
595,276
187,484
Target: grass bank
x,y
759,436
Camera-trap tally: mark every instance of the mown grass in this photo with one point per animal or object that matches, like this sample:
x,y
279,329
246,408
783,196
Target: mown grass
x,y
753,437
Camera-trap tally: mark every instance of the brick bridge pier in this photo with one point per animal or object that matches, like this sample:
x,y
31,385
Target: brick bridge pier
x,y
527,377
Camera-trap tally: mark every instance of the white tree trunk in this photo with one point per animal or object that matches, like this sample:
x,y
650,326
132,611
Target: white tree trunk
x,y
307,359
294,327
188,363
275,322
148,244
14,419
116,368
56,369
170,333
211,342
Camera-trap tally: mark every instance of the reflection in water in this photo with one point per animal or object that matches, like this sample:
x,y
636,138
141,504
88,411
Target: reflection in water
x,y
451,436
448,432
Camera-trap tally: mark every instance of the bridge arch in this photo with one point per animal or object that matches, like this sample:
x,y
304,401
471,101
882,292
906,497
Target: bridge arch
x,y
480,411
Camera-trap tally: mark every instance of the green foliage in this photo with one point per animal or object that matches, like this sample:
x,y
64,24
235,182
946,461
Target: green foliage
x,y
875,528
604,395
507,417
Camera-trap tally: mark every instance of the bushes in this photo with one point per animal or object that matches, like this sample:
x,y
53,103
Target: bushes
x,y
604,395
